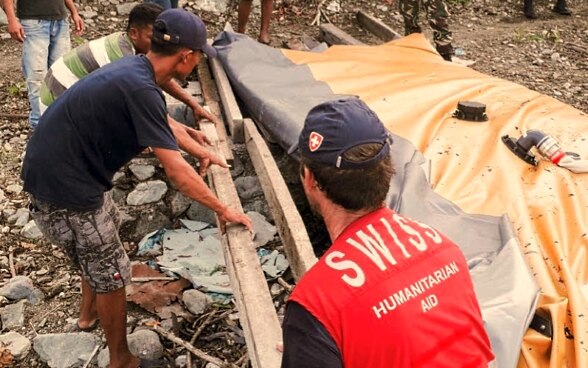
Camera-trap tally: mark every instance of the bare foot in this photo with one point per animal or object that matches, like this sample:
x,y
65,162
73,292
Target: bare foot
x,y
264,38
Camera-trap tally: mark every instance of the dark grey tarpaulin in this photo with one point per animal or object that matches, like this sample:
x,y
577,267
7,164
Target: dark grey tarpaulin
x,y
278,94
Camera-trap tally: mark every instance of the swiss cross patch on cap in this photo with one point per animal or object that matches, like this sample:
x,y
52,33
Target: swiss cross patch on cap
x,y
314,141
343,124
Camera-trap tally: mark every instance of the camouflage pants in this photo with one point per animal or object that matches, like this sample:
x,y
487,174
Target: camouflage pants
x,y
437,14
90,239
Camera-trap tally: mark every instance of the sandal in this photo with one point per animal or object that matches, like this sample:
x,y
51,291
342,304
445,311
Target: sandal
x,y
90,328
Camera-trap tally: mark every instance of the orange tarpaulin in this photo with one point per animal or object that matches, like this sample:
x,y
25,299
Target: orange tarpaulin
x,y
415,92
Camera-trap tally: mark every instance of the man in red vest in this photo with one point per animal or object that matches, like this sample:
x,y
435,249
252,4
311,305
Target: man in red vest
x,y
390,292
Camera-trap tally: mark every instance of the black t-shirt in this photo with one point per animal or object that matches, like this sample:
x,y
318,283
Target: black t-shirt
x,y
306,341
41,9
92,130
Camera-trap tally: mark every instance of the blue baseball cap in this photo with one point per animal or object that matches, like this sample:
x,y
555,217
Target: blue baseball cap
x,y
333,127
180,27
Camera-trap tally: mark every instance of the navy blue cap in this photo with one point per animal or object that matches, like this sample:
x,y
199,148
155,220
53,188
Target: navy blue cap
x,y
181,27
333,127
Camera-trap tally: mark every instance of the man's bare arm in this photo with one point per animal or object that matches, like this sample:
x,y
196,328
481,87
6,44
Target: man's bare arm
x,y
14,27
75,17
180,94
193,142
184,177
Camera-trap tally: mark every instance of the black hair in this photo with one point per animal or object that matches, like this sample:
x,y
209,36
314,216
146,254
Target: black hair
x,y
143,15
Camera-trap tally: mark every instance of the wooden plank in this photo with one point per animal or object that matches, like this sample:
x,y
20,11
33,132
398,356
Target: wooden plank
x,y
376,27
333,35
288,221
256,309
212,99
229,102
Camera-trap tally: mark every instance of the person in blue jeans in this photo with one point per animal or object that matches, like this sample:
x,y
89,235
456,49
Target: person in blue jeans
x,y
43,28
165,4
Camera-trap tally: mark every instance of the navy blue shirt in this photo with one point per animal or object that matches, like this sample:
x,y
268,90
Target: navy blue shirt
x,y
91,131
307,343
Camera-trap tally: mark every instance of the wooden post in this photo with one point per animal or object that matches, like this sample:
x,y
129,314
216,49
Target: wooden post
x,y
376,27
230,107
212,101
256,309
333,35
288,221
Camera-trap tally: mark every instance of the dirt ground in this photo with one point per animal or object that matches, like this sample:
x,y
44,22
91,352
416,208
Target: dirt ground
x,y
549,55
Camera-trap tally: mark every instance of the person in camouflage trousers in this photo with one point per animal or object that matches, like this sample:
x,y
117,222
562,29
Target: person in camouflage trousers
x,y
437,14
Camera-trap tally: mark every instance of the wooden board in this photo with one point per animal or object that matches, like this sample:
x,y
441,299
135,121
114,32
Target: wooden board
x,y
333,35
229,102
288,221
376,27
212,99
256,309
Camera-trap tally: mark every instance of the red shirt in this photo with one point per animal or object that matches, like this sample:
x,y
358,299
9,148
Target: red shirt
x,y
393,292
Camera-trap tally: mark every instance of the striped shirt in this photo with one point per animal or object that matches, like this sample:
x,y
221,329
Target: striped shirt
x,y
80,62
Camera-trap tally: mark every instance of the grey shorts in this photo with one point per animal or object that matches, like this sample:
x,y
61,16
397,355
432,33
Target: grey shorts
x,y
90,239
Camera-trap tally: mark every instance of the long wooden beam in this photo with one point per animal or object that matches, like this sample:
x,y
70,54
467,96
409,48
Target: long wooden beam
x,y
376,27
288,221
229,102
333,35
211,98
256,309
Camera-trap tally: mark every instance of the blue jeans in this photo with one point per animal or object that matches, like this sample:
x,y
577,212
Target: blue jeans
x,y
45,42
165,4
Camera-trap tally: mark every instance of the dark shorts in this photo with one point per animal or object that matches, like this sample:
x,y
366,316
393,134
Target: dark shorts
x,y
90,239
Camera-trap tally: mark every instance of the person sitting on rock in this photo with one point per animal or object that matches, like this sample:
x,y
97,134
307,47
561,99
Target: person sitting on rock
x,y
90,56
95,128
560,7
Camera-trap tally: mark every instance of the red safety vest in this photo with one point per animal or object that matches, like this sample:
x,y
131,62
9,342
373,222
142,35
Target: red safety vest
x,y
393,292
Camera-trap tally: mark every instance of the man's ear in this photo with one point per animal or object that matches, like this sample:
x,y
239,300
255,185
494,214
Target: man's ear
x,y
308,179
133,34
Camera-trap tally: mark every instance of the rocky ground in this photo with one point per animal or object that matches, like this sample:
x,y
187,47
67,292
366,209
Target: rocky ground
x,y
549,55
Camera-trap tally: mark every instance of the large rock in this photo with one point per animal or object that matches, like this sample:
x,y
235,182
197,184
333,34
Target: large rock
x,y
21,287
145,224
13,315
22,214
118,177
2,196
260,206
178,203
14,188
264,231
23,217
125,8
142,172
248,187
196,301
65,350
148,192
18,345
199,212
31,231
144,344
